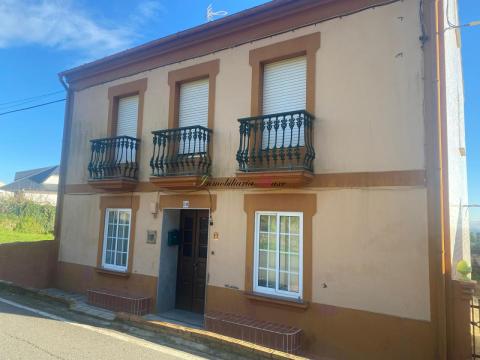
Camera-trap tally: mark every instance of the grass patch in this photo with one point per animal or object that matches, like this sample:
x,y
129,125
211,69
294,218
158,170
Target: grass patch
x,y
10,236
22,220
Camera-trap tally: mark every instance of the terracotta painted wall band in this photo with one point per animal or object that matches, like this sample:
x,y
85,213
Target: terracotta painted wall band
x,y
78,278
338,180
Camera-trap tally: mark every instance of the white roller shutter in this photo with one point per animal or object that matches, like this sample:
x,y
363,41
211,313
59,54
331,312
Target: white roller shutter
x,y
284,89
193,108
127,116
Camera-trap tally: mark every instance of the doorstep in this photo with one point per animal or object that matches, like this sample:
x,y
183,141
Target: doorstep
x,y
179,317
205,337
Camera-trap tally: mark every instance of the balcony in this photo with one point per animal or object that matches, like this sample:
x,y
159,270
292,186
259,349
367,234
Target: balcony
x,y
114,163
277,147
181,157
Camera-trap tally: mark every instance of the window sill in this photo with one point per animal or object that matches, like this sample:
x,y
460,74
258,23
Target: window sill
x,y
272,299
124,274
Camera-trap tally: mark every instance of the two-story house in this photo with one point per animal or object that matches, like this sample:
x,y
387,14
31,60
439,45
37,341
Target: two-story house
x,y
296,163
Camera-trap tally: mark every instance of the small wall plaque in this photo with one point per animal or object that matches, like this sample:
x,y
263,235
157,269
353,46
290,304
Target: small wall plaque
x,y
186,204
151,236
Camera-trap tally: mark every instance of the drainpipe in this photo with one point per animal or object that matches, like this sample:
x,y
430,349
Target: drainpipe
x,y
61,183
445,328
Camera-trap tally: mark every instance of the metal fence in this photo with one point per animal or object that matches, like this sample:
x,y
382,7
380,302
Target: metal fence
x,y
114,158
181,151
282,141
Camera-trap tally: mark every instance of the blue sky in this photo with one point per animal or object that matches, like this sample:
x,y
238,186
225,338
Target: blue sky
x,y
470,11
38,39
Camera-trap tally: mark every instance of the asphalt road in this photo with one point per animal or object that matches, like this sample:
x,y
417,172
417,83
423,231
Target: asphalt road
x,y
25,334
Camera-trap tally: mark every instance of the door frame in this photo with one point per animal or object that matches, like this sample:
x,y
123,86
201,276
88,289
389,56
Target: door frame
x,y
207,275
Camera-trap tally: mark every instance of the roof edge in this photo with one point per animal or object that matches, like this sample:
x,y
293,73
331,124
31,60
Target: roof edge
x,y
255,23
185,33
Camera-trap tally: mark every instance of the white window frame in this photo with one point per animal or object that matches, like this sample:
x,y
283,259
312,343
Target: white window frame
x,y
105,233
276,291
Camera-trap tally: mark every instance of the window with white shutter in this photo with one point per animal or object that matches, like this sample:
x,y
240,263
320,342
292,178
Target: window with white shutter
x,y
284,90
127,116
193,106
193,110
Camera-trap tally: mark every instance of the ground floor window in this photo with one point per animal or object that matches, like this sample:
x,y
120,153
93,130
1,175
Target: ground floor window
x,y
116,239
278,253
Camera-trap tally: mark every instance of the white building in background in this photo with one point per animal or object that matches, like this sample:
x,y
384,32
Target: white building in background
x,y
39,185
4,193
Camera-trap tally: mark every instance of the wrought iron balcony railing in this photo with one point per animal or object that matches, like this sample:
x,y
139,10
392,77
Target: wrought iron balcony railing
x,y
281,141
114,158
182,151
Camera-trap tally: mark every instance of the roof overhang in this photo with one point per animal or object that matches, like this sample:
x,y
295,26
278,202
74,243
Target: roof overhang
x,y
265,20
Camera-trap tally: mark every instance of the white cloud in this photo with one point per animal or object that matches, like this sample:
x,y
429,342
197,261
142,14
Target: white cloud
x,y
60,24
148,9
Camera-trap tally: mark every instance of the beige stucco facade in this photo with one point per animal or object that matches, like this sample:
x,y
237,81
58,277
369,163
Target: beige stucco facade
x,y
370,245
368,108
380,235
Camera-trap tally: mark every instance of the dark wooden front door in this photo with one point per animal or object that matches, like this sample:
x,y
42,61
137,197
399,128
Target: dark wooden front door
x,y
192,260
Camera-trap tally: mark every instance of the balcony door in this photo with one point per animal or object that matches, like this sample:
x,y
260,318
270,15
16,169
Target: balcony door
x,y
127,119
193,111
127,116
284,90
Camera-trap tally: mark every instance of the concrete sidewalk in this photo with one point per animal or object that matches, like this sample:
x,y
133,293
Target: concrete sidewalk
x,y
77,303
180,335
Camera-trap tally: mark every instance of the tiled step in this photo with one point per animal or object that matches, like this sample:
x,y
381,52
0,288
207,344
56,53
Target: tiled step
x,y
275,336
136,305
78,303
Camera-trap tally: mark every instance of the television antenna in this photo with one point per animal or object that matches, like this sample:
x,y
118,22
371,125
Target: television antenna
x,y
212,14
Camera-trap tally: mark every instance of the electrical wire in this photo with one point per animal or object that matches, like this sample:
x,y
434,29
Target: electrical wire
x,y
454,26
24,103
450,24
32,98
31,107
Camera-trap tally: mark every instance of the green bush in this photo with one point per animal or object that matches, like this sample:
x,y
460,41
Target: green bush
x,y
29,224
20,213
8,222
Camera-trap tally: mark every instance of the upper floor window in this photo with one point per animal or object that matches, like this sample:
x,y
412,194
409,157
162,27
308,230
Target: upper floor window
x,y
284,90
127,116
193,103
279,253
125,111
193,111
285,85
